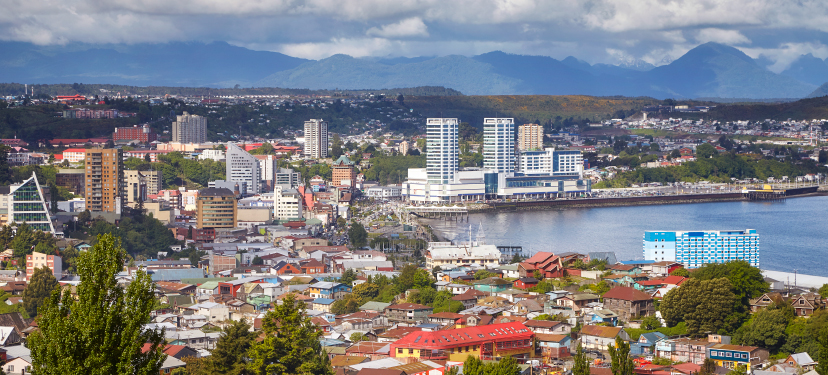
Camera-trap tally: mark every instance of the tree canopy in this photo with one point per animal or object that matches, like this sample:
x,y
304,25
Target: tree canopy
x,y
38,289
102,331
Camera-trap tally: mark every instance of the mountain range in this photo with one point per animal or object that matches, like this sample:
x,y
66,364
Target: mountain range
x,y
710,70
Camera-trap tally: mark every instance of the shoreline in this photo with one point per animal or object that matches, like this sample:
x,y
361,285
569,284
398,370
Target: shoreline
x,y
619,202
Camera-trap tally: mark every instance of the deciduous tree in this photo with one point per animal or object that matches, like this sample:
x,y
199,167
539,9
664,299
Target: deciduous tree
x,y
102,331
38,289
231,349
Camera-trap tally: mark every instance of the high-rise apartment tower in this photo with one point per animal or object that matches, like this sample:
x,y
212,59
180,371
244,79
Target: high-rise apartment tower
x,y
189,129
499,144
442,150
316,139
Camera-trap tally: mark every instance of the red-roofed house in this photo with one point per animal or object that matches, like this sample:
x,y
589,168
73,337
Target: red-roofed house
x,y
549,265
484,342
628,302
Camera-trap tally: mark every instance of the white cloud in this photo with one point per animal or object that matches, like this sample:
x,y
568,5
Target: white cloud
x,y
729,37
406,28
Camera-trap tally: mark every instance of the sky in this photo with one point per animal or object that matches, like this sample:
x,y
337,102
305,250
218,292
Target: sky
x,y
596,31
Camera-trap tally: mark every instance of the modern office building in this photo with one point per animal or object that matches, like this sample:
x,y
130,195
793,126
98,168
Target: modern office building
x,y
25,203
694,249
442,150
189,129
241,166
216,208
499,145
72,180
287,203
143,134
316,139
551,162
343,172
286,178
530,137
104,180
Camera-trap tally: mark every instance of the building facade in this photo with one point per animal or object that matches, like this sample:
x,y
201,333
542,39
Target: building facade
x,y
286,178
442,150
216,208
104,180
189,129
287,203
694,249
499,144
136,187
241,166
530,137
72,179
316,139
343,172
143,134
25,203
485,342
403,147
37,260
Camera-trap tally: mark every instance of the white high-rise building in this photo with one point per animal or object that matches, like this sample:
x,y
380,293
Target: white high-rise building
x,y
287,203
243,167
442,150
316,139
499,144
189,129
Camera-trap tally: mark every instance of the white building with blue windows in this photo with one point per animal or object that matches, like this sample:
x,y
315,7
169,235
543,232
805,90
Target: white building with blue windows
x,y
694,249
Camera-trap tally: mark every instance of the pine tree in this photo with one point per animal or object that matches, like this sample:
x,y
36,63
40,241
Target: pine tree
x,y
622,363
39,288
102,331
229,355
581,366
291,344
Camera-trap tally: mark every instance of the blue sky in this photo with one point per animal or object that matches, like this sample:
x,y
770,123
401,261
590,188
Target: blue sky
x,y
607,31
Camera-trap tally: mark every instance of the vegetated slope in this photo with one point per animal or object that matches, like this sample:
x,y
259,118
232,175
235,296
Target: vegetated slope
x,y
345,72
216,64
804,109
525,108
716,70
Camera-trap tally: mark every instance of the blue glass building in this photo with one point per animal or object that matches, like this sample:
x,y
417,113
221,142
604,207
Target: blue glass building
x,y
694,249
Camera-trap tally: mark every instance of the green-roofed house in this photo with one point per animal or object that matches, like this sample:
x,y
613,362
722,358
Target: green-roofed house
x,y
374,306
208,288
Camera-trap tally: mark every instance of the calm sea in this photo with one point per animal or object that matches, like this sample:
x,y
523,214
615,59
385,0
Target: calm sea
x,y
792,232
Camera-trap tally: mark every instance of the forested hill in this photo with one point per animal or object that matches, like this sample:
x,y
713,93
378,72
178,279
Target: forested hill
x,y
14,89
804,109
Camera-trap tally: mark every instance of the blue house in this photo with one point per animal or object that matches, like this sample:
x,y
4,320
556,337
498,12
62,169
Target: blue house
x,y
604,316
646,343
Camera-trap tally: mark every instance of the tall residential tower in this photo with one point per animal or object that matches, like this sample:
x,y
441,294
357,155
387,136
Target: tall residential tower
x,y
105,184
530,137
499,144
189,129
442,150
316,139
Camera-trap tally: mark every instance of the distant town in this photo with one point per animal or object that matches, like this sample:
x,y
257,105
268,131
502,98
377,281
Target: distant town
x,y
229,226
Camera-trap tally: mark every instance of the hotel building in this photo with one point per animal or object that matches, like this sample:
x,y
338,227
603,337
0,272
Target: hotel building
x,y
694,249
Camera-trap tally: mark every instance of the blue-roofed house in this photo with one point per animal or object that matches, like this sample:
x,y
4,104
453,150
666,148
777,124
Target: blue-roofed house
x,y
323,304
646,343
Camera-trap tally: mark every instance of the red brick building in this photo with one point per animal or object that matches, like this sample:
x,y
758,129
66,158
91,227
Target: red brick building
x,y
141,134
